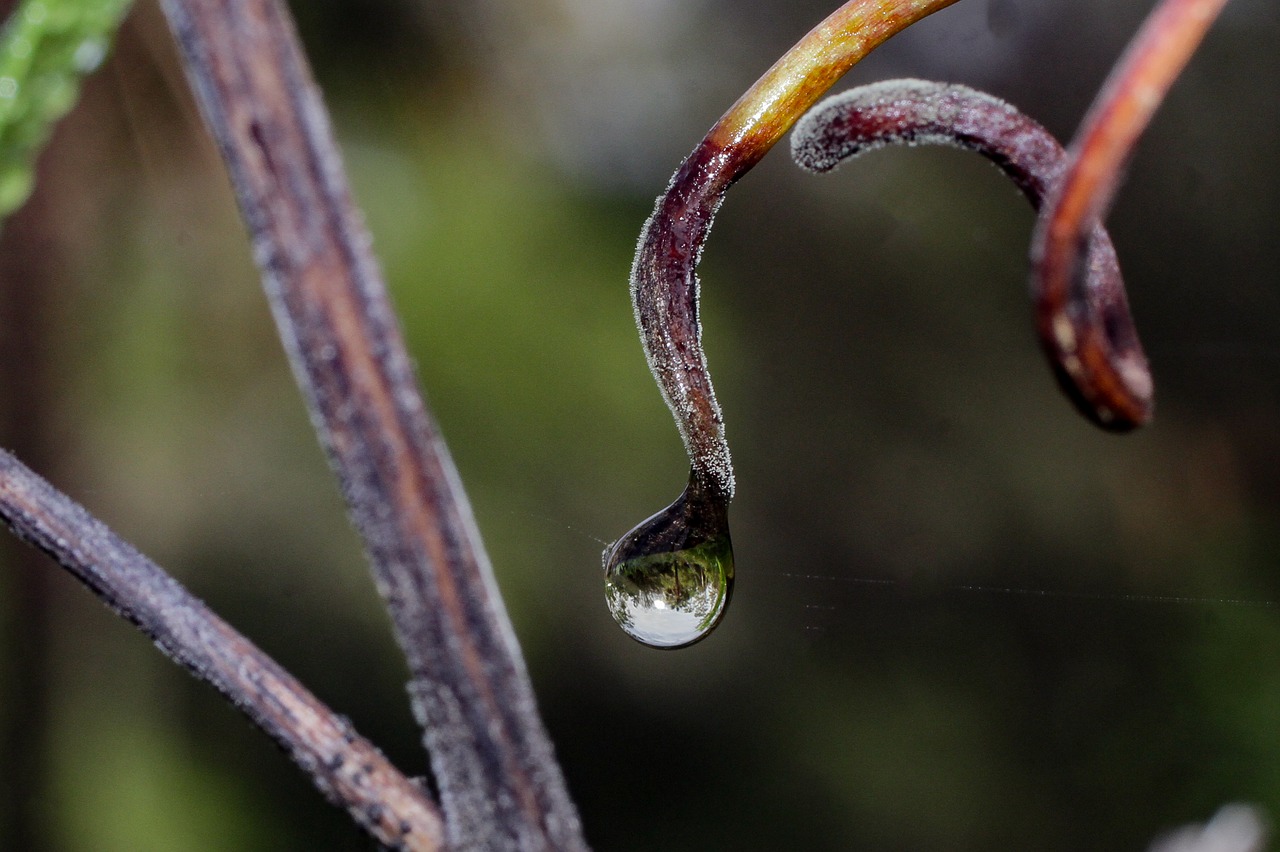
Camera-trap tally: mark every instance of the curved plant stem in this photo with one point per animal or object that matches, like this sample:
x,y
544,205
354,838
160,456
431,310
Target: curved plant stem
x,y
344,766
500,786
919,112
664,288
1117,118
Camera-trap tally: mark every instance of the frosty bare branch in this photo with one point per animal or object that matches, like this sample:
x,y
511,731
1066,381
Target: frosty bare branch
x,y
344,766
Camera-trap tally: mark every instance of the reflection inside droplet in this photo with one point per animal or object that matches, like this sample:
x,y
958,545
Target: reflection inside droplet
x,y
667,582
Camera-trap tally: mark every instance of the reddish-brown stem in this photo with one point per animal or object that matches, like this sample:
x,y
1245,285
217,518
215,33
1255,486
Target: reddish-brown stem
x,y
1120,387
664,287
348,769
499,784
920,112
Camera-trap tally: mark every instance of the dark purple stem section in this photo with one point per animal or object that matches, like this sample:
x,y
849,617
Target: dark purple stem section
x,y
499,783
664,293
1096,313
345,767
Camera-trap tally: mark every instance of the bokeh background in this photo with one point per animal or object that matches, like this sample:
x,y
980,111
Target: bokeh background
x,y
964,618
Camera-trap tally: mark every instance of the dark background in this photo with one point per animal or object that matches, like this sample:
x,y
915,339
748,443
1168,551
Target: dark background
x,y
964,618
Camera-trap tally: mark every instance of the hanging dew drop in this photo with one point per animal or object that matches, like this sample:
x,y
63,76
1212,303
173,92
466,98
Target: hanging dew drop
x,y
668,581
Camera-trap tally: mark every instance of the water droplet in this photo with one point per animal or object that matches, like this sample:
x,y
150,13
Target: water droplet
x,y
667,582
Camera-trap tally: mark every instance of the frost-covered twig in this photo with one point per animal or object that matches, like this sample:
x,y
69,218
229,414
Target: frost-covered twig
x,y
499,783
349,770
664,286
692,534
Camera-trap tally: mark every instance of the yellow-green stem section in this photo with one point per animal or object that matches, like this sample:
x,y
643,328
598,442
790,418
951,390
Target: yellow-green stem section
x,y
804,73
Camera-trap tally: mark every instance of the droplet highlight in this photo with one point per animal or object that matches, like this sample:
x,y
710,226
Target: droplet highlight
x,y
668,581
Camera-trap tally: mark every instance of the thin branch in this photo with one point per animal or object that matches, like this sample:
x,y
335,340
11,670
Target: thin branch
x,y
500,785
918,112
1122,110
348,769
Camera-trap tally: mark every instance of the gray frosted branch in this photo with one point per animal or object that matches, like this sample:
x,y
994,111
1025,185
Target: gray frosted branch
x,y
348,769
499,783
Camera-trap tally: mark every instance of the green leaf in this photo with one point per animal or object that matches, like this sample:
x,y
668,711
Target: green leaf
x,y
46,47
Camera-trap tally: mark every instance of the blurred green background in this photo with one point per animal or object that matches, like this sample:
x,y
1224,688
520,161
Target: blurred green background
x,y
964,619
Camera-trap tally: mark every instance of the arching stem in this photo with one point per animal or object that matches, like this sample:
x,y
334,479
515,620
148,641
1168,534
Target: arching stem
x,y
664,287
919,112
